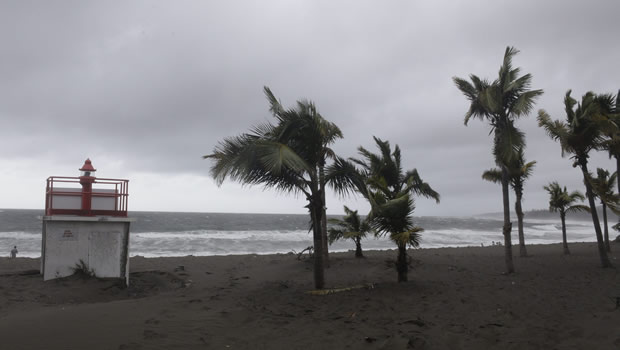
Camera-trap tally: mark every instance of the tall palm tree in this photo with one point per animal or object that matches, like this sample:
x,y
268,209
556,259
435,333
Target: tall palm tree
x,y
578,135
563,202
612,144
519,171
390,192
350,227
612,136
603,187
501,102
288,156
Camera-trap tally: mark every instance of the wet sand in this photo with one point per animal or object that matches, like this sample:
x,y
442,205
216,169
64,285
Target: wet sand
x,y
457,298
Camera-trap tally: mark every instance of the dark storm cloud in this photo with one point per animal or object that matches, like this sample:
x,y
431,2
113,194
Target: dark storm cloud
x,y
157,84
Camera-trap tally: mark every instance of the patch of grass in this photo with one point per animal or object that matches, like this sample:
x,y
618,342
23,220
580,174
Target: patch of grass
x,y
81,269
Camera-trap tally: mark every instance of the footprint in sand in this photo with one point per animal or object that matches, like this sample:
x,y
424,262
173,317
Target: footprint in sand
x,y
130,346
150,334
152,320
167,313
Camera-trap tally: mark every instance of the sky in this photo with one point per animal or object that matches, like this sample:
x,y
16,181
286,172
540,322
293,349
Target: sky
x,y
146,88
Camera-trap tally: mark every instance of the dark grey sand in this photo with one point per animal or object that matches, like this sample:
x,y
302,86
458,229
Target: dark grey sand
x,y
457,298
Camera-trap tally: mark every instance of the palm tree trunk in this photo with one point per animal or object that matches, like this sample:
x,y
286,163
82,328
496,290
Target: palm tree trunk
x,y
618,163
564,242
358,248
507,224
316,212
319,273
597,226
324,215
519,210
605,229
401,263
618,158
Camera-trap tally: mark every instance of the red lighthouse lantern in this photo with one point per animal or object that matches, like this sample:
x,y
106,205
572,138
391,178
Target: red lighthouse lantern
x,y
86,180
96,197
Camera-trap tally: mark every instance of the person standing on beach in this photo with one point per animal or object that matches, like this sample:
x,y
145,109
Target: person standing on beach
x,y
14,252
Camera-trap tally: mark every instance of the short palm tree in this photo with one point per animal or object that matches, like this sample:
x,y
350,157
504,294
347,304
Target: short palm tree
x,y
603,187
519,172
350,227
501,102
563,202
288,156
390,192
580,134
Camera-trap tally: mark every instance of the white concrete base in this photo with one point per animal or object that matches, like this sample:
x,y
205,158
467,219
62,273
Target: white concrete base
x,y
101,243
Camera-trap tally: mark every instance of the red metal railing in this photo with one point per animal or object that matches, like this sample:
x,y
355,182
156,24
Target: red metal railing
x,y
68,200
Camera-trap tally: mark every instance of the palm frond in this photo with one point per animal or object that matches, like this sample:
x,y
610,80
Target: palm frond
x,y
492,175
508,141
504,74
410,237
466,88
524,104
344,178
575,196
392,215
472,92
557,130
569,104
275,107
577,208
415,184
276,157
527,169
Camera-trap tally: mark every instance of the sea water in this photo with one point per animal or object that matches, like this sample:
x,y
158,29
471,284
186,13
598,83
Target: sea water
x,y
156,234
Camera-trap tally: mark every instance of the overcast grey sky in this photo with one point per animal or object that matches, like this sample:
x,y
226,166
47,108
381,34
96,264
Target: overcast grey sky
x,y
145,88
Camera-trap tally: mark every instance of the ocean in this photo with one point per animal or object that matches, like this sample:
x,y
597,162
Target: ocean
x,y
156,234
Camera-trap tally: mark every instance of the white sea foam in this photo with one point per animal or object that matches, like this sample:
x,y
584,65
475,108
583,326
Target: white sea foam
x,y
296,235
222,242
19,235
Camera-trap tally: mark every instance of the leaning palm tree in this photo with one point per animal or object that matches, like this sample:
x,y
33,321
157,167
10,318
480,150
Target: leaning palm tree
x,y
288,156
612,136
390,192
350,227
578,135
563,202
501,102
612,144
519,172
603,187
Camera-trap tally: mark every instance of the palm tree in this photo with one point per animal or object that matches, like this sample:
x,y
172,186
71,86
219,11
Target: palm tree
x,y
578,135
288,156
350,227
612,136
501,102
390,192
612,144
563,202
519,171
603,188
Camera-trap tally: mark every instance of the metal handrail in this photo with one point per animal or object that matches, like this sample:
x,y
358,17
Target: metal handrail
x,y
121,194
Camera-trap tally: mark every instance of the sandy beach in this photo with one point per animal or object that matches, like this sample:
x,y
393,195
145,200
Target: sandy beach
x,y
457,298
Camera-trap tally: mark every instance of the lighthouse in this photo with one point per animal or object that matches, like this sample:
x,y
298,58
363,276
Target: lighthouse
x,y
85,226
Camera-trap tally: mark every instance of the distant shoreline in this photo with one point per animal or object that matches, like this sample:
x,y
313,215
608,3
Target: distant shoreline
x,y
534,213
